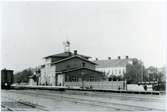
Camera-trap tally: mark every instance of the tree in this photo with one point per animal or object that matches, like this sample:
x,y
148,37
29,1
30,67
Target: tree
x,y
135,72
156,75
17,78
115,78
23,76
152,73
26,74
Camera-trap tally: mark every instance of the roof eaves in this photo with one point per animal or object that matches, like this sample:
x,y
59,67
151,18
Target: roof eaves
x,y
85,59
79,69
71,58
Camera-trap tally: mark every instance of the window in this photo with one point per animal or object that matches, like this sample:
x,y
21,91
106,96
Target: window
x,y
115,71
67,78
67,67
92,78
124,71
119,71
74,79
112,72
83,64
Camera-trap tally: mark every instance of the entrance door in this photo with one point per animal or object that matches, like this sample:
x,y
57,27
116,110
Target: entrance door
x,y
60,80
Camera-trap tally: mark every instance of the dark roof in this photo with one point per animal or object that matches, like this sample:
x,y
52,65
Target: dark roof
x,y
65,54
113,62
75,56
7,70
81,68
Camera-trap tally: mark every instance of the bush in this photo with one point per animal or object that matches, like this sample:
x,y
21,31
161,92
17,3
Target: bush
x,y
160,87
115,78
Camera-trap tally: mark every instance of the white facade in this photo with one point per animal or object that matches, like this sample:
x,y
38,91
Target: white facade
x,y
48,73
42,78
113,70
115,67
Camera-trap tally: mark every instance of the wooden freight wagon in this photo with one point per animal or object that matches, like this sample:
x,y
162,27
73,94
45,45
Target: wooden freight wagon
x,y
6,78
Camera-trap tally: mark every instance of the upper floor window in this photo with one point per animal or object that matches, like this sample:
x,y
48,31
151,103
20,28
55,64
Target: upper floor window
x,y
92,78
68,66
83,64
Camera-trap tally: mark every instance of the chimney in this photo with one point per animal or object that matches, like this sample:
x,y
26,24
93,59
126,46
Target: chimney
x,y
127,57
75,52
109,58
119,57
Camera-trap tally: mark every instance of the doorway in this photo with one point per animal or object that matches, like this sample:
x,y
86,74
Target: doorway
x,y
60,80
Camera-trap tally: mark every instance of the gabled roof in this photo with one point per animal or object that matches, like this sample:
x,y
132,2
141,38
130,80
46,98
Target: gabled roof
x,y
65,54
113,62
75,56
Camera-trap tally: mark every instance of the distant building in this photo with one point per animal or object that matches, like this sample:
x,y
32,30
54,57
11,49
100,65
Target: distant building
x,y
153,71
115,67
162,70
68,67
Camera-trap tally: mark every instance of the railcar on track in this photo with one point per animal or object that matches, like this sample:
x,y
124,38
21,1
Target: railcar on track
x,y
6,78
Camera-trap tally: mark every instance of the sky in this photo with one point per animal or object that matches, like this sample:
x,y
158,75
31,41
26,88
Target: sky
x,y
33,30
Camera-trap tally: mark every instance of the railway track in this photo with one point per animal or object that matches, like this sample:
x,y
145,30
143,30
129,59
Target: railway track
x,y
138,98
17,105
93,102
5,108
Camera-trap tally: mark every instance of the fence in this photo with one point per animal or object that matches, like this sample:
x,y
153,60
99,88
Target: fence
x,y
104,85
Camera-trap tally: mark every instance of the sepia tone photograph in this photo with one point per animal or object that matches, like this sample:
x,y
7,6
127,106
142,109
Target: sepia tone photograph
x,y
83,56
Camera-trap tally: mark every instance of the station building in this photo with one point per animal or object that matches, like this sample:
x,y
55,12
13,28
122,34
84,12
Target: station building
x,y
68,67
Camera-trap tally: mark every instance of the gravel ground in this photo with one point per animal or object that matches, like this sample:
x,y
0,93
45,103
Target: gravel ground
x,y
85,101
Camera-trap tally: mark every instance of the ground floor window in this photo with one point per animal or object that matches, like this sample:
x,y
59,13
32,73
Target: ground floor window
x,y
73,79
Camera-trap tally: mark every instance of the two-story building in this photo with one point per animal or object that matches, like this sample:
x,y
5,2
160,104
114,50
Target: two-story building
x,y
68,67
115,67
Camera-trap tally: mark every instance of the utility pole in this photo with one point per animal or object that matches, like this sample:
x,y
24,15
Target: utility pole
x,y
142,77
142,71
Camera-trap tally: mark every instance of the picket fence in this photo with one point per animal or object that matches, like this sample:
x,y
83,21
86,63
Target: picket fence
x,y
104,85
